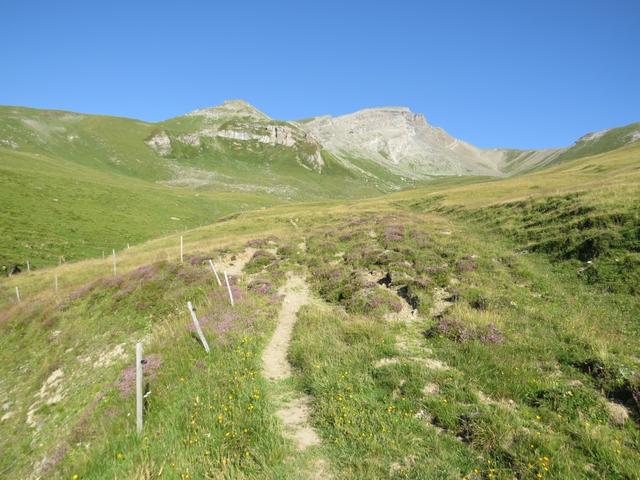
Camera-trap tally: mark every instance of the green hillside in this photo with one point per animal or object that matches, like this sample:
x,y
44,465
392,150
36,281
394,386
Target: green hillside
x,y
74,185
604,141
466,330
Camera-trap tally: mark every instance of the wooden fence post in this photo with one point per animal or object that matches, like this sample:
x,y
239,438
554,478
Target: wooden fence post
x,y
197,325
18,294
114,262
28,266
139,386
226,279
215,272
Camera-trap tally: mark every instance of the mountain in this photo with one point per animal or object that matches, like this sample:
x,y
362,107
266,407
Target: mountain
x,y
76,185
235,120
401,141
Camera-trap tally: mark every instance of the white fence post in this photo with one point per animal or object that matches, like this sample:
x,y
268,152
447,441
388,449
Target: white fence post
x,y
139,397
226,279
18,294
114,262
215,272
197,325
28,266
181,250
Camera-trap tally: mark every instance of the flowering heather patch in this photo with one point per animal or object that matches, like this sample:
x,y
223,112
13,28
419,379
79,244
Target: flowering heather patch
x,y
261,242
143,273
370,300
238,293
189,274
260,259
355,221
345,237
491,334
226,323
261,286
452,329
394,233
146,272
466,265
256,243
83,290
421,238
125,290
365,255
127,382
286,250
457,331
198,259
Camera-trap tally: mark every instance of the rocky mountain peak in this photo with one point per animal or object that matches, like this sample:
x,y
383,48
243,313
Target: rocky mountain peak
x,y
230,109
401,140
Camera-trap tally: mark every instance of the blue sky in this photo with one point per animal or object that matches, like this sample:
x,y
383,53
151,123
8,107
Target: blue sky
x,y
525,74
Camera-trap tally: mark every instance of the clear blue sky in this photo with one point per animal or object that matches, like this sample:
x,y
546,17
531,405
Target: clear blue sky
x,y
496,73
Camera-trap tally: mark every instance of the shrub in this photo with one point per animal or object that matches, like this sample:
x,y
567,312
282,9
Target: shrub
x,y
260,260
476,299
458,331
373,301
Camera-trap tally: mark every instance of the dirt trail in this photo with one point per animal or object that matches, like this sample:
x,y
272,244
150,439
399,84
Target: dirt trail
x,y
274,359
234,263
294,410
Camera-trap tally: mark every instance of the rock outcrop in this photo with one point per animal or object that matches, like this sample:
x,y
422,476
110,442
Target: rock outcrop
x,y
401,141
240,122
160,143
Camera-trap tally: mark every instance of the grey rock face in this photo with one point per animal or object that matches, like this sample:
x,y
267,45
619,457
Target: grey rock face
x,y
402,141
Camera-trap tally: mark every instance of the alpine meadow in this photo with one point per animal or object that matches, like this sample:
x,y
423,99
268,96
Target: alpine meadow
x,y
226,294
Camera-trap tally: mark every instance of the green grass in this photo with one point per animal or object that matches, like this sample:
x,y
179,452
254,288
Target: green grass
x,y
536,411
515,379
76,185
46,216
610,140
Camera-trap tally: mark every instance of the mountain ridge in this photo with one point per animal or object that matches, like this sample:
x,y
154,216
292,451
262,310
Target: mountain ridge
x,y
416,150
192,169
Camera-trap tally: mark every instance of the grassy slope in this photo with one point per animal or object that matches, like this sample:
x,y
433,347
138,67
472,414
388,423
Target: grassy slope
x,y
75,185
266,166
586,211
610,140
46,215
534,351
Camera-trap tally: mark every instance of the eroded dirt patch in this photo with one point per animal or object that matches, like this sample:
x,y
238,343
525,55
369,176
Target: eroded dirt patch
x,y
295,417
234,263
